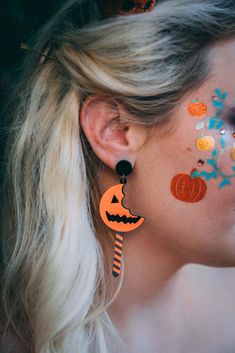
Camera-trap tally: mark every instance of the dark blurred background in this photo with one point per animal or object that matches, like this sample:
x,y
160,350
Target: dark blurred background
x,y
20,20
19,23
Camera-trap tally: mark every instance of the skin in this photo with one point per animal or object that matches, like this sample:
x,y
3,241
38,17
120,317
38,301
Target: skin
x,y
179,264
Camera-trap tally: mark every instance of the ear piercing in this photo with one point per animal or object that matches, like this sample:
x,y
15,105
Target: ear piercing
x,y
123,168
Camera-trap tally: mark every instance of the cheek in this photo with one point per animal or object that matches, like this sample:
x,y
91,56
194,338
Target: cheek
x,y
197,228
174,220
194,231
202,232
212,217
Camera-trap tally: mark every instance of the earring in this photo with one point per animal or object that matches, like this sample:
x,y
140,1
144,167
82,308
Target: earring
x,y
116,216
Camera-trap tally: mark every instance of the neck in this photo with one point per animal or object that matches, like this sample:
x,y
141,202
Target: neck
x,y
150,273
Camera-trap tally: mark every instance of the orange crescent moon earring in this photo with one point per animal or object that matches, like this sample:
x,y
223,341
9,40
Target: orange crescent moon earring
x,y
116,216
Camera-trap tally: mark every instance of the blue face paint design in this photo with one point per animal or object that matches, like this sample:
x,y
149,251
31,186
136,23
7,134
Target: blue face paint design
x,y
221,157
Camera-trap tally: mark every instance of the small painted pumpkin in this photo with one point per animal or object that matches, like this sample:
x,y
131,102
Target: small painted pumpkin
x,y
233,152
205,143
197,109
188,189
114,214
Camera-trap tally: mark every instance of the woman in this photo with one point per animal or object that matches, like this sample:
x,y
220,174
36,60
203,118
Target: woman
x,y
154,89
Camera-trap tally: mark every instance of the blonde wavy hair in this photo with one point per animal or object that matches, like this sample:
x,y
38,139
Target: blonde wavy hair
x,y
55,284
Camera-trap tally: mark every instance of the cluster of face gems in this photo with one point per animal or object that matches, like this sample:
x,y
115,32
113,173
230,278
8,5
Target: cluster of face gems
x,y
207,142
222,131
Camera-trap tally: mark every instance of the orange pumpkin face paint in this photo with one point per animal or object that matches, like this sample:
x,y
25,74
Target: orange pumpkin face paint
x,y
197,109
188,189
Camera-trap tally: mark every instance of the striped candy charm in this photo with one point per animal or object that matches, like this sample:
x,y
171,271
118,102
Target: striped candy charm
x,y
117,257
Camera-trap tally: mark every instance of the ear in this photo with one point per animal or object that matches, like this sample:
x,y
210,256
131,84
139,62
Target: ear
x,y
108,131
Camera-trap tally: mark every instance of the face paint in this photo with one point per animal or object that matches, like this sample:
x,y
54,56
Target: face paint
x,y
215,139
197,109
216,142
233,152
188,189
205,143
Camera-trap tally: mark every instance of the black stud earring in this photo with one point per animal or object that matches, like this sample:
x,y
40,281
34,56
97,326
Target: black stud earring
x,y
123,168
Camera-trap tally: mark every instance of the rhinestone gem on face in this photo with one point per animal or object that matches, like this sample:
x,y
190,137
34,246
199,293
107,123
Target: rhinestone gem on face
x,y
215,98
200,162
222,132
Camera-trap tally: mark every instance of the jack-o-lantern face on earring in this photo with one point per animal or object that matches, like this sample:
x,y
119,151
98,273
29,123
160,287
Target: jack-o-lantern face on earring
x,y
113,212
